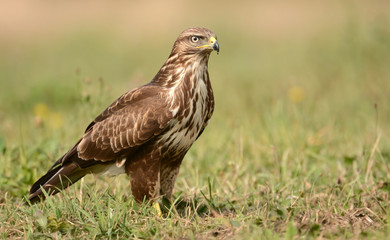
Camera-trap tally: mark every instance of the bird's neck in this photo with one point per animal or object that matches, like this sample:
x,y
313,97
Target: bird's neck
x,y
179,67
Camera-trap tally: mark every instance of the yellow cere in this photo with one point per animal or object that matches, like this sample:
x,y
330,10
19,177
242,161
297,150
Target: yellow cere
x,y
212,41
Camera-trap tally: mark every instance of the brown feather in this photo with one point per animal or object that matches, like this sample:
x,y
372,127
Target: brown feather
x,y
147,130
56,180
135,117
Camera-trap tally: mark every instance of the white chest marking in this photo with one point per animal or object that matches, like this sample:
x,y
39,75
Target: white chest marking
x,y
180,136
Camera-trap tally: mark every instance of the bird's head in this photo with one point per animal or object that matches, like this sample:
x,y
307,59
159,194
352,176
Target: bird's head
x,y
191,49
196,40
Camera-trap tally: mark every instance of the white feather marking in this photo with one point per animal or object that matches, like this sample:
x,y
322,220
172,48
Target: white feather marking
x,y
174,111
121,141
127,137
179,70
120,163
114,169
112,143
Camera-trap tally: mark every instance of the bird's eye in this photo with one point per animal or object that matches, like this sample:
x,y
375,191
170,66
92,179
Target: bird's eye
x,y
194,39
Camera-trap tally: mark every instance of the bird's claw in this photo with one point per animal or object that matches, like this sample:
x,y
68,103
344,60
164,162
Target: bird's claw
x,y
156,206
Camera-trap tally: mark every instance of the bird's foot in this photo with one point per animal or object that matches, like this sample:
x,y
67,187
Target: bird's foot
x,y
156,206
165,207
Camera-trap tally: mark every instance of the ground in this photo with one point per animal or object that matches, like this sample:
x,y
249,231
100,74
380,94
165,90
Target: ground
x,y
298,146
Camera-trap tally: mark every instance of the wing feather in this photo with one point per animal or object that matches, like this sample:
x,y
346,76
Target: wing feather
x,y
129,122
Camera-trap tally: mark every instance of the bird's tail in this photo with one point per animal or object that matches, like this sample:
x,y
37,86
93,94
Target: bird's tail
x,y
56,179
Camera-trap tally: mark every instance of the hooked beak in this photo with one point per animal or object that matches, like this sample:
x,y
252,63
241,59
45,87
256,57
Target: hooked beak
x,y
213,45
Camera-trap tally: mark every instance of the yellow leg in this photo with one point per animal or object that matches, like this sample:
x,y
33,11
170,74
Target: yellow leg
x,y
156,206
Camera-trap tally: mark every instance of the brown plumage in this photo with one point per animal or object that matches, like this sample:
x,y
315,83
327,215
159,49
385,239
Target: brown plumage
x,y
147,131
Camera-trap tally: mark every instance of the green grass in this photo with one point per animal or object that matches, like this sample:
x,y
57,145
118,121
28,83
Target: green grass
x,y
270,165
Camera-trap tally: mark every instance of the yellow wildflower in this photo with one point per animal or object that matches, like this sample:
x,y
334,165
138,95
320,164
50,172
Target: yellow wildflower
x,y
296,94
43,115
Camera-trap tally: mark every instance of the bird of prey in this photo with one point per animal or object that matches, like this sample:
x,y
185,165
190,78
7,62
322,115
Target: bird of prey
x,y
147,131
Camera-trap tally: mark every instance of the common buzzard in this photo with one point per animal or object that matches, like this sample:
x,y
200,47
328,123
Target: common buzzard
x,y
147,131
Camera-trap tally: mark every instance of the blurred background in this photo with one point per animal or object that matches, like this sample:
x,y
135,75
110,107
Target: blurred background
x,y
301,121
289,72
